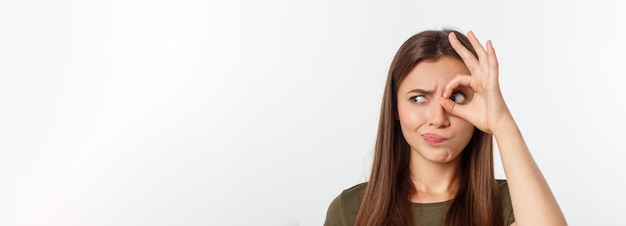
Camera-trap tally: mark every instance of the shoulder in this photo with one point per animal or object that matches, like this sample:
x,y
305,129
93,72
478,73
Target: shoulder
x,y
343,209
507,207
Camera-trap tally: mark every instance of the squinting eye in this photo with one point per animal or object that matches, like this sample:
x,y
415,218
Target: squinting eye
x,y
458,97
418,99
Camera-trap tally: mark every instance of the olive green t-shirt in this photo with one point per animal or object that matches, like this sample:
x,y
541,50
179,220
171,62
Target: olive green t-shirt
x,y
342,211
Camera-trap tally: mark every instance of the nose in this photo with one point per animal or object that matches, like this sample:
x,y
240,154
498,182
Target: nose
x,y
437,116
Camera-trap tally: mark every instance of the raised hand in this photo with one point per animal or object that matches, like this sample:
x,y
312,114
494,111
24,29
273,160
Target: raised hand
x,y
487,109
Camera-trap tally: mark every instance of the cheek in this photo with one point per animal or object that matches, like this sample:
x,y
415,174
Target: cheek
x,y
408,116
464,128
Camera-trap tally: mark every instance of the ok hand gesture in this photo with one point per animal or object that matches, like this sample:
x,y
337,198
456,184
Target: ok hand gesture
x,y
487,109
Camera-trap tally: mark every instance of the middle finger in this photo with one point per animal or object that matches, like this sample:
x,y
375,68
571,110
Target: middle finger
x,y
468,58
480,50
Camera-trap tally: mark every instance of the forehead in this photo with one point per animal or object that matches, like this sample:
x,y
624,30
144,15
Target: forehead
x,y
433,74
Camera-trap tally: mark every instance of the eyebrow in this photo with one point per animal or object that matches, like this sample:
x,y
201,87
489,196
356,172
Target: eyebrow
x,y
420,91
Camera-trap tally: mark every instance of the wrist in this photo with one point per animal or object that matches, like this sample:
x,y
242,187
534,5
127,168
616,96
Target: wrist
x,y
504,124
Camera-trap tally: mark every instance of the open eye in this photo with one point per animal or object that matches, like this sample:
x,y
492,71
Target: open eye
x,y
419,99
458,97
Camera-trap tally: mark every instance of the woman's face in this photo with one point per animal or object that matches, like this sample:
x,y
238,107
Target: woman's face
x,y
432,133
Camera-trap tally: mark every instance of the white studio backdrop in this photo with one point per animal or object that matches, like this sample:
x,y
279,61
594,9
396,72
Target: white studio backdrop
x,y
261,112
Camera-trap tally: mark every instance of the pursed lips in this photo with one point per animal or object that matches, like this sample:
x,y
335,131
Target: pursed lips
x,y
432,138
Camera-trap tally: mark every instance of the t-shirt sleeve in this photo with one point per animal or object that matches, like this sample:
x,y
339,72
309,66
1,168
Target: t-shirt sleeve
x,y
344,208
334,215
507,206
511,219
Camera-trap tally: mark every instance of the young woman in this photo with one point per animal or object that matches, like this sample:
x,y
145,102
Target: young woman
x,y
433,162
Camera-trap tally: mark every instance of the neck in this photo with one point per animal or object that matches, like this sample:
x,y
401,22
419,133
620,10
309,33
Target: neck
x,y
434,182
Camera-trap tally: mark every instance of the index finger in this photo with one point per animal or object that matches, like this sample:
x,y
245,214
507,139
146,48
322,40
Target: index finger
x,y
456,82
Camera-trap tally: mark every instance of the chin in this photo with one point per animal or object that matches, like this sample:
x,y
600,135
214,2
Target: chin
x,y
440,159
438,155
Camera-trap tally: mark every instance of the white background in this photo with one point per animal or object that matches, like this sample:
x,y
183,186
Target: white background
x,y
260,112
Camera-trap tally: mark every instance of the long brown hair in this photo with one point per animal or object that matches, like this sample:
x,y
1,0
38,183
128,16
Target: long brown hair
x,y
386,200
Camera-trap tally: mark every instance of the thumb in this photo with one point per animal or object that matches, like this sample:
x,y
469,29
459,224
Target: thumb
x,y
453,108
